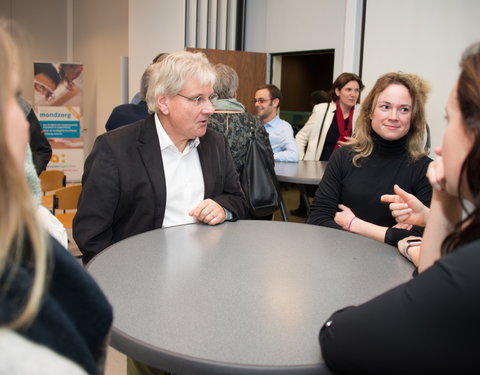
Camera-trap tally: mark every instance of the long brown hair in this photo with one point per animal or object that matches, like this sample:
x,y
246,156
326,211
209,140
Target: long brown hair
x,y
417,88
468,96
18,223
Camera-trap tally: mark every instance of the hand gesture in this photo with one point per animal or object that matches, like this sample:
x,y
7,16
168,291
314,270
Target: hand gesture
x,y
406,208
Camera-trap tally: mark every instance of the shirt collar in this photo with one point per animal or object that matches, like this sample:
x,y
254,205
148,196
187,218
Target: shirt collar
x,y
166,142
272,121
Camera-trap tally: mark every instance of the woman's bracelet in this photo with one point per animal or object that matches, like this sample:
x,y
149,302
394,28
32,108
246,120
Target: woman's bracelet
x,y
350,223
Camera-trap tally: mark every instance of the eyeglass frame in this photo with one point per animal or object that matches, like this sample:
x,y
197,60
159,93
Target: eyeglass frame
x,y
200,100
261,100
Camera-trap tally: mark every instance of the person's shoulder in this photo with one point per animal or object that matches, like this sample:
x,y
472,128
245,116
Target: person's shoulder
x,y
422,162
129,107
237,121
122,107
324,106
284,122
426,159
217,122
281,123
63,258
344,151
342,156
461,266
19,355
213,136
469,251
128,130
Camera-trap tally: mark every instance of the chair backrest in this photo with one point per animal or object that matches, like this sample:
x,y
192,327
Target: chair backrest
x,y
52,180
66,198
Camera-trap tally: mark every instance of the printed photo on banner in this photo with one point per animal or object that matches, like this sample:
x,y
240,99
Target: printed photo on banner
x,y
58,84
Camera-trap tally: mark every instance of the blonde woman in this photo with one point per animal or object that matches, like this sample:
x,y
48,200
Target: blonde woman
x,y
388,150
46,298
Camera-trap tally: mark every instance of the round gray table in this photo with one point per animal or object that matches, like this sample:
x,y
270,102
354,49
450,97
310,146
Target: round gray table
x,y
305,172
246,297
308,172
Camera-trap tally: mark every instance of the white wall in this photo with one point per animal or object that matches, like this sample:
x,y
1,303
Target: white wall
x,y
154,26
425,37
44,25
100,37
277,26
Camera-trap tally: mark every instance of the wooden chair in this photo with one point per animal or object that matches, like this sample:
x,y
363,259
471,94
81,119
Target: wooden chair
x,y
50,181
66,199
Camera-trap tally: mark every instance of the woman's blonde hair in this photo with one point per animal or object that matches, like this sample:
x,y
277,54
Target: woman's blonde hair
x,y
19,228
418,89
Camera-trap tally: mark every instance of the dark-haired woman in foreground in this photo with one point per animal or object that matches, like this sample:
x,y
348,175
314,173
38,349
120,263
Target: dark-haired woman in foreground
x,y
430,324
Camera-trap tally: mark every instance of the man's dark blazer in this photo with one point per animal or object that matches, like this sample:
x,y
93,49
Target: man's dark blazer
x,y
124,190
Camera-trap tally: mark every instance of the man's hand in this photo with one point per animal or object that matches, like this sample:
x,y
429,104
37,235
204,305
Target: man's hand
x,y
209,212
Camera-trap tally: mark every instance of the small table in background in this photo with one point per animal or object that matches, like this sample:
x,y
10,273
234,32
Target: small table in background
x,y
305,172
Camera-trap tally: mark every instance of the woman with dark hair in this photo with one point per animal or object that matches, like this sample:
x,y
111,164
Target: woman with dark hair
x,y
324,132
387,150
430,324
332,123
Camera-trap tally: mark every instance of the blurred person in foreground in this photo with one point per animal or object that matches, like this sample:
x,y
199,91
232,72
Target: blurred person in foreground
x,y
45,295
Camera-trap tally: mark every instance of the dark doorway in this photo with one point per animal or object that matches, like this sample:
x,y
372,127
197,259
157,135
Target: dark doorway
x,y
298,74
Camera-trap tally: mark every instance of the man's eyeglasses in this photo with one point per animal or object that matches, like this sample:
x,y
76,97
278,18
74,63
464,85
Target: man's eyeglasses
x,y
261,100
200,100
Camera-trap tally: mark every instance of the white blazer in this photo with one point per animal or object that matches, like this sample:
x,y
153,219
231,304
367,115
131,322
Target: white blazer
x,y
309,140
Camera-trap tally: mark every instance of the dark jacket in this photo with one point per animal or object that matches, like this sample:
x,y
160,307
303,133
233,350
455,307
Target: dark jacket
x,y
126,114
41,149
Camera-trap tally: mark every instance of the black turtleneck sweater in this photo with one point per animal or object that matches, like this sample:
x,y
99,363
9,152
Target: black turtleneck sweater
x,y
360,188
